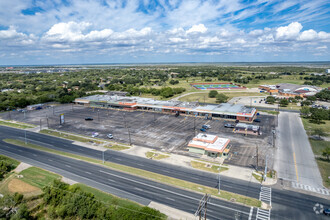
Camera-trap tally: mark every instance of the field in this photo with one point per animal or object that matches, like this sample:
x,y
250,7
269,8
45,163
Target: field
x,y
203,97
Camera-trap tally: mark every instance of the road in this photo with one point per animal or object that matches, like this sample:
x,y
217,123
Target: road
x,y
124,185
294,157
285,204
229,184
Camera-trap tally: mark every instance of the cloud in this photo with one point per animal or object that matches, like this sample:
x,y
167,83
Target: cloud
x,y
197,28
289,32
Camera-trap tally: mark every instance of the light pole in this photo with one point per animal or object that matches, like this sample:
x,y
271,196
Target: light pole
x,y
103,156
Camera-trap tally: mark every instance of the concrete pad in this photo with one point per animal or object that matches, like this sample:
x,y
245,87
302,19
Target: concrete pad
x,y
100,148
172,213
68,181
22,166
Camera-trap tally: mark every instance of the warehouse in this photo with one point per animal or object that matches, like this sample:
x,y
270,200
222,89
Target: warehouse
x,y
224,110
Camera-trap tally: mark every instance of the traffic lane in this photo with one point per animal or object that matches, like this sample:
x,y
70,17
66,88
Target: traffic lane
x,y
293,205
228,184
157,192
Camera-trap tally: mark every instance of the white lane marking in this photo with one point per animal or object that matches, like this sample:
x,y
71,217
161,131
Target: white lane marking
x,y
138,189
170,199
88,172
251,212
140,164
67,165
168,191
50,160
35,155
20,150
118,159
111,180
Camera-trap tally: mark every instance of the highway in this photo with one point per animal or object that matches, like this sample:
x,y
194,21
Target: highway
x,y
124,185
285,204
191,175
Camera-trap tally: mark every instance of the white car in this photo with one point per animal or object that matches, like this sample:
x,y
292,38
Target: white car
x,y
110,136
95,134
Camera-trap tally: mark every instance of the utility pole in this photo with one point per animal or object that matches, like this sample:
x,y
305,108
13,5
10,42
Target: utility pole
x,y
265,174
257,158
103,156
195,125
273,138
202,207
47,123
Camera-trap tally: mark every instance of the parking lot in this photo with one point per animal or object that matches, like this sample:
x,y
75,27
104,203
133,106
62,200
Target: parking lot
x,y
149,129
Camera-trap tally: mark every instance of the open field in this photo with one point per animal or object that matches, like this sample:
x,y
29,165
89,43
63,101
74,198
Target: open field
x,y
324,167
309,127
203,97
16,125
38,177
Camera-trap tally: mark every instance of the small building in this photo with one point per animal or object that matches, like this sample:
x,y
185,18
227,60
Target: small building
x,y
210,145
290,90
246,129
327,70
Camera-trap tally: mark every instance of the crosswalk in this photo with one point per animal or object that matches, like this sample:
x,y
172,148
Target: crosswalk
x,y
310,188
266,197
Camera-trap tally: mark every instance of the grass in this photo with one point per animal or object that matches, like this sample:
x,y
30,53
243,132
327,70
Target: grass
x,y
16,125
310,127
38,177
318,146
118,147
212,168
107,198
200,96
156,156
257,177
69,136
152,176
324,167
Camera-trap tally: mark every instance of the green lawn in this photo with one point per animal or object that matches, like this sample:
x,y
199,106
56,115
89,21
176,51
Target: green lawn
x,y
150,175
118,147
324,167
318,146
38,177
156,156
309,127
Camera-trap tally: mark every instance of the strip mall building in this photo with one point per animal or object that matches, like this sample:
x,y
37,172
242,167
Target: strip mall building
x,y
224,110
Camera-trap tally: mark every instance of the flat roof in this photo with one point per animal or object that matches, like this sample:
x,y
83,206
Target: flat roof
x,y
217,146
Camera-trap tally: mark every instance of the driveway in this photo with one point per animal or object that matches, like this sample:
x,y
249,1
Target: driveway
x,y
294,160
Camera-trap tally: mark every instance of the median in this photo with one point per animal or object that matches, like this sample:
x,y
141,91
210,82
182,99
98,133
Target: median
x,y
228,196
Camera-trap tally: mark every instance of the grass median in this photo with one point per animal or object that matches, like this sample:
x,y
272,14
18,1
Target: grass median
x,y
70,136
207,167
232,197
16,125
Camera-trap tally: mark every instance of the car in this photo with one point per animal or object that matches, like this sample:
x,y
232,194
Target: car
x,y
95,134
89,119
229,125
206,126
326,211
110,136
236,121
202,129
257,120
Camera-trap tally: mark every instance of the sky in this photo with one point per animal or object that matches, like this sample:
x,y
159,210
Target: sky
x,y
44,32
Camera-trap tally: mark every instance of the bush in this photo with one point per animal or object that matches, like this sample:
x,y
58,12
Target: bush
x,y
284,102
270,99
221,98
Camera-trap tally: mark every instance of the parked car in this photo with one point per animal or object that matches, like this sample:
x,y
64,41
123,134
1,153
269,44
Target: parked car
x,y
110,136
236,121
95,134
257,120
229,125
202,129
89,119
326,211
206,126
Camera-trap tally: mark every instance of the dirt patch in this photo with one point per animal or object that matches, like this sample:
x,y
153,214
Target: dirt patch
x,y
19,186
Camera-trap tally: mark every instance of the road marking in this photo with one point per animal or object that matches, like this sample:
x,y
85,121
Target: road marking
x,y
251,212
88,172
138,189
35,155
67,165
165,190
295,165
170,199
20,150
50,160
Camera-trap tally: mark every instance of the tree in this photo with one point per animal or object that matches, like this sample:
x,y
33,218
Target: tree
x,y
213,93
221,98
284,102
319,131
305,111
326,152
270,99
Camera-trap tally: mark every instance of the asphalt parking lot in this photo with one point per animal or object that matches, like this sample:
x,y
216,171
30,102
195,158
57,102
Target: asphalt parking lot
x,y
149,129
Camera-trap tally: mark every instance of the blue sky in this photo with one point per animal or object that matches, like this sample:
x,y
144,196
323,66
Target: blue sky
x,y
118,31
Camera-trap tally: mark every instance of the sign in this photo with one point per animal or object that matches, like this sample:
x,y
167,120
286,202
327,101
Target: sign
x,y
62,119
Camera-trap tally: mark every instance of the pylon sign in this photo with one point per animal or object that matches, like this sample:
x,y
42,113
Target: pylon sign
x,y
62,119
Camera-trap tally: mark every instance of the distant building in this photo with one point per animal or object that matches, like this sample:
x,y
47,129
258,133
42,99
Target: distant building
x,y
210,145
247,129
290,90
327,70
